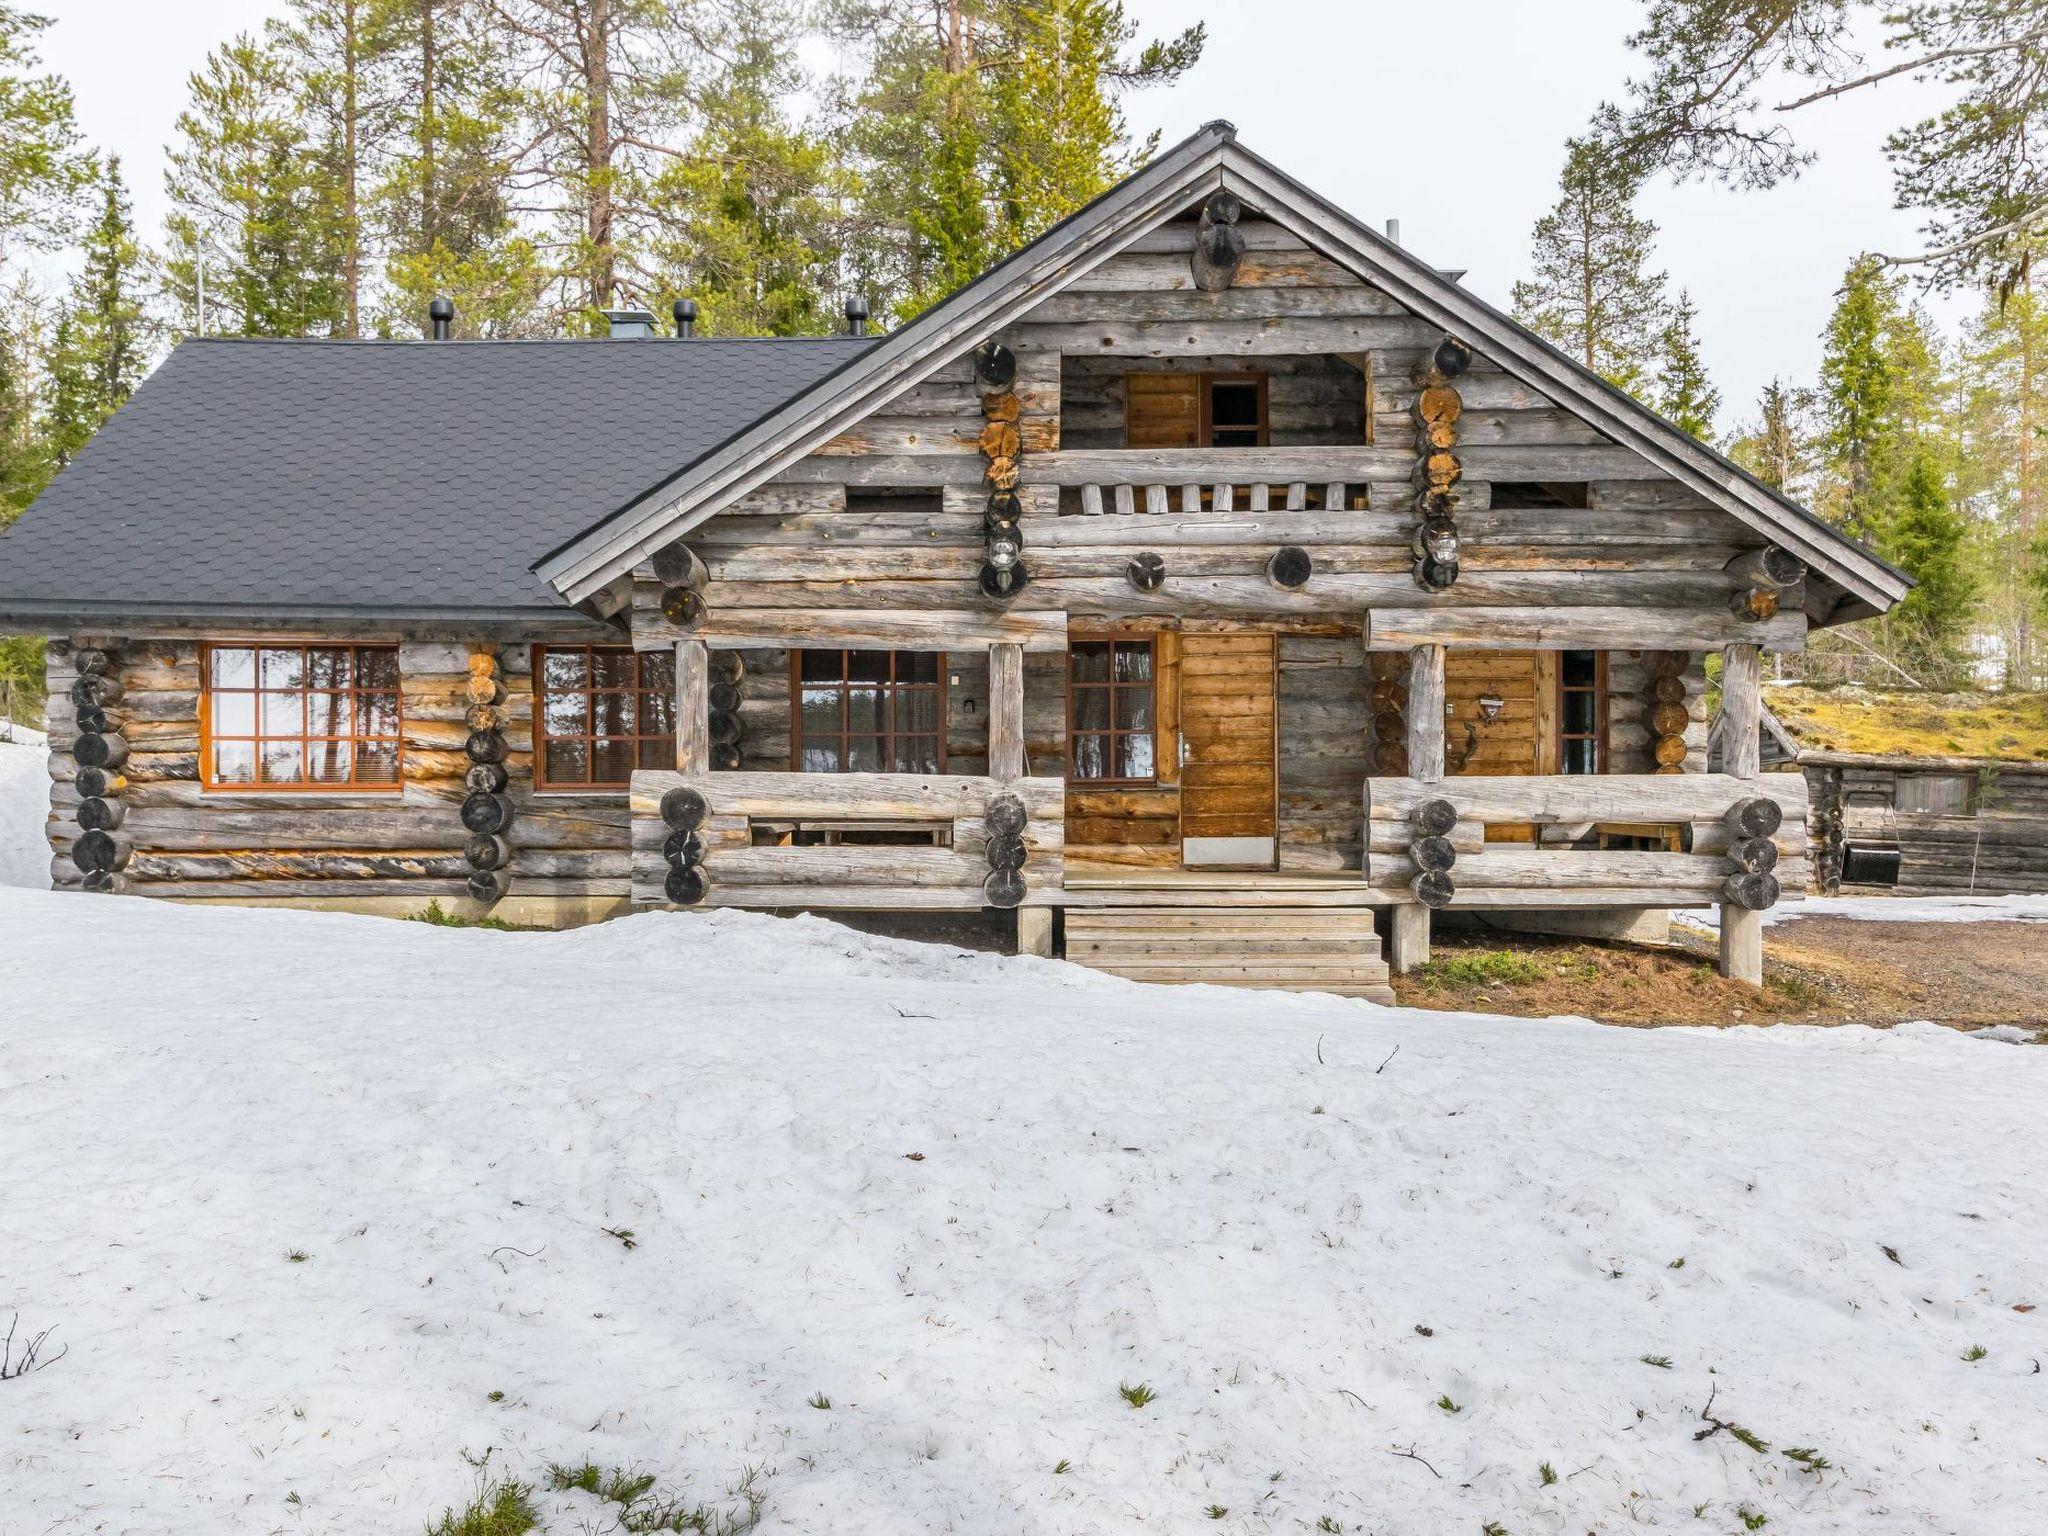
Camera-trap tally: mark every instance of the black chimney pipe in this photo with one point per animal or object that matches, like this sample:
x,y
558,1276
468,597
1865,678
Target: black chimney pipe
x,y
442,312
685,311
856,316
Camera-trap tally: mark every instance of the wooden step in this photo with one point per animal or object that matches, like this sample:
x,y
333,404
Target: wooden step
x,y
1161,936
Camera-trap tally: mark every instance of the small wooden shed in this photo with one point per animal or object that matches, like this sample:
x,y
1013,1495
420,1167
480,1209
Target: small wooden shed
x,y
1954,784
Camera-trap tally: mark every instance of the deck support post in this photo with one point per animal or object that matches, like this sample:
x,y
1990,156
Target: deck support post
x,y
693,707
1742,931
1006,711
1409,933
1408,938
1034,931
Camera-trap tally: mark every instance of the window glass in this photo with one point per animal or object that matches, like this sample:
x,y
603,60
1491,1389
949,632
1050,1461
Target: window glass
x,y
1582,712
603,711
869,711
287,716
1111,705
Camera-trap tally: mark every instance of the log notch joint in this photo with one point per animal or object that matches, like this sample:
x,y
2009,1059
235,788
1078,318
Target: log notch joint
x,y
100,751
1762,577
1664,708
486,809
1003,574
683,811
1389,701
1004,822
1438,409
724,720
1431,849
683,577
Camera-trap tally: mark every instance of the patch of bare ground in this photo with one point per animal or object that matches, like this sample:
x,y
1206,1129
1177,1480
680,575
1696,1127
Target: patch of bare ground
x,y
1817,970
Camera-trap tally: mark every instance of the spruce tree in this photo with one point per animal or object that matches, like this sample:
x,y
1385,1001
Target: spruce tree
x,y
101,341
1880,394
1777,447
1685,395
1592,291
1924,535
251,198
2005,433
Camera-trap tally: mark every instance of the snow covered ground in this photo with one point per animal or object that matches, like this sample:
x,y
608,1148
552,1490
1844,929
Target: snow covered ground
x,y
1380,1267
24,802
1893,909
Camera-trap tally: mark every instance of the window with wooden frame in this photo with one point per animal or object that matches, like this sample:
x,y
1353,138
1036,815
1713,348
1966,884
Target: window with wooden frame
x,y
299,717
600,711
1582,711
1112,710
1194,410
868,711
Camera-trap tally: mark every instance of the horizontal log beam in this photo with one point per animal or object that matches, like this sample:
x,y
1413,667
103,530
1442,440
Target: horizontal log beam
x,y
1580,628
936,629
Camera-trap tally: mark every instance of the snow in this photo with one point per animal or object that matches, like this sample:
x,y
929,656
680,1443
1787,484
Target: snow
x,y
966,1198
24,803
1893,909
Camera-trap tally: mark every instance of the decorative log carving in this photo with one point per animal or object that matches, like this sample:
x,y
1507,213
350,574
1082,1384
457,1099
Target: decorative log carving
x,y
683,606
1146,572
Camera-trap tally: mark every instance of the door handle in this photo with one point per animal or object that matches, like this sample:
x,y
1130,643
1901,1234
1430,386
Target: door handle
x,y
1184,754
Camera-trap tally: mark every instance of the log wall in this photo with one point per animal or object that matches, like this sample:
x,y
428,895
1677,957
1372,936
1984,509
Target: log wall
x,y
2001,848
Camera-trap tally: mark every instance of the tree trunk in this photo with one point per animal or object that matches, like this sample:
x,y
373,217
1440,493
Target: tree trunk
x,y
351,209
430,128
599,152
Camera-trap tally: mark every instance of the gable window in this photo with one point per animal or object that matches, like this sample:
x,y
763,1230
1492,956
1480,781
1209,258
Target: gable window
x,y
868,711
300,717
1935,794
600,711
1582,712
1112,701
1194,410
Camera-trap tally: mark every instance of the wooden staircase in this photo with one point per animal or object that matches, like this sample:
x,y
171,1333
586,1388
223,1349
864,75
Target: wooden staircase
x,y
1319,948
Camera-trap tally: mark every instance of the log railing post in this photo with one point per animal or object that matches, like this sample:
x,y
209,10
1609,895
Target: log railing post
x,y
1006,712
693,707
1742,930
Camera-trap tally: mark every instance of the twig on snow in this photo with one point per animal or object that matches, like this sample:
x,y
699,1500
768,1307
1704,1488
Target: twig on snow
x,y
1409,1455
1376,1071
508,1248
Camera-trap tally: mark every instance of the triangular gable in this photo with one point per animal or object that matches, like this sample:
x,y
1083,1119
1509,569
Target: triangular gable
x,y
1208,160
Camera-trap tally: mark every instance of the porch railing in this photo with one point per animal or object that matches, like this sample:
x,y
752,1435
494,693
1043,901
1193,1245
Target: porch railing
x,y
1509,874
1123,497
754,852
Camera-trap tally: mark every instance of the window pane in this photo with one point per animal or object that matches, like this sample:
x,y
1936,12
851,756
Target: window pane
x,y
917,711
611,669
1579,714
377,667
562,714
1091,708
864,708
820,756
869,666
282,669
1579,668
283,762
328,714
1234,405
377,762
1580,757
916,754
1133,709
821,711
611,761
1091,757
327,668
1134,756
917,667
234,669
1091,662
377,714
234,762
863,754
658,671
1235,437
563,669
568,762
821,666
657,754
234,714
283,714
327,762
611,714
1134,663
657,714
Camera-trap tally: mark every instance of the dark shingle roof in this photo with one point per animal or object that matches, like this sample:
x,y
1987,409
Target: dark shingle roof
x,y
408,477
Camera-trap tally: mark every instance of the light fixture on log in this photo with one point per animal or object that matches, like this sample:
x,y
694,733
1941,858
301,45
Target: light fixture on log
x,y
1219,243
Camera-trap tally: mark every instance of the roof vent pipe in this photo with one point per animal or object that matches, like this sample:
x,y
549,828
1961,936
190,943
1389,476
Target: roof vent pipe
x,y
441,313
1394,231
856,316
629,324
685,311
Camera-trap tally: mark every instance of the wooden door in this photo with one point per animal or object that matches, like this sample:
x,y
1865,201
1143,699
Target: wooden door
x,y
1229,778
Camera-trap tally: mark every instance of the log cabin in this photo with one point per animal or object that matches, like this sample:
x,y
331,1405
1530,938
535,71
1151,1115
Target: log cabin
x,y
1211,590
1912,792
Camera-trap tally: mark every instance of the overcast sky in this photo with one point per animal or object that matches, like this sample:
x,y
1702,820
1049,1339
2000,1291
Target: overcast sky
x,y
1450,117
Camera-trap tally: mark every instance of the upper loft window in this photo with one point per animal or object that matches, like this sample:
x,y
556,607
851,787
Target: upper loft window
x,y
600,712
869,711
306,717
1195,410
1529,493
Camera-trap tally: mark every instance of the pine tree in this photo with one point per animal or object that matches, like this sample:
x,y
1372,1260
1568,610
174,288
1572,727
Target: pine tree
x,y
42,165
1592,292
754,242
251,198
1685,395
1777,448
99,351
2005,431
